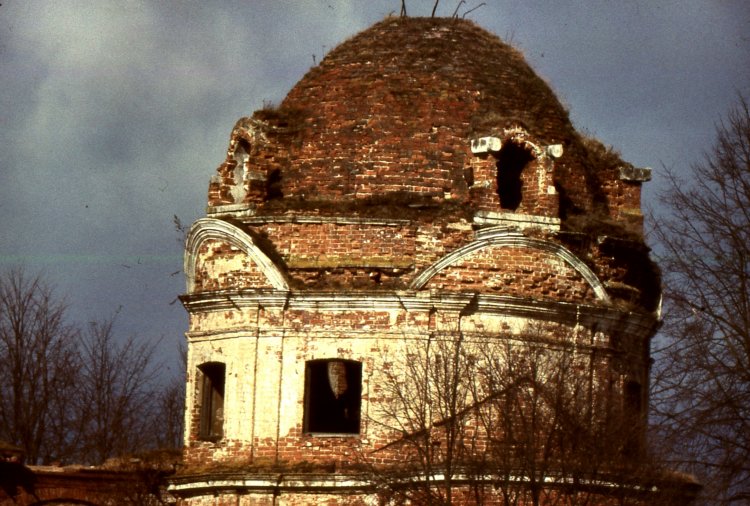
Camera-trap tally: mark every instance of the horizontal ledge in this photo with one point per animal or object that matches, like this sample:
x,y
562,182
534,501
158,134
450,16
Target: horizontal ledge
x,y
412,300
274,483
247,215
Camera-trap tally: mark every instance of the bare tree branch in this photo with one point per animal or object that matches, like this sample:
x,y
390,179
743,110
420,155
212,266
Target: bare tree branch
x,y
38,368
532,414
117,382
71,396
702,379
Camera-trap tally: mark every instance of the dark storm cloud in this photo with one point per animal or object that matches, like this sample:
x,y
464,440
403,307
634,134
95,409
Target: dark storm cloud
x,y
114,114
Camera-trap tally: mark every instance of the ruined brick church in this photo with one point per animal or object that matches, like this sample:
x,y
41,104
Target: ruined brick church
x,y
421,185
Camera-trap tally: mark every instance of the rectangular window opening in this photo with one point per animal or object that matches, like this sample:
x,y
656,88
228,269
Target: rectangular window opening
x,y
212,401
333,392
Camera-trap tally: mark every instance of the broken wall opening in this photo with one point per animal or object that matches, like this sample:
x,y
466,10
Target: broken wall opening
x,y
511,161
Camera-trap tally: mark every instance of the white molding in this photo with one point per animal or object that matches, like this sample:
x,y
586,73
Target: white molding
x,y
212,228
517,220
608,319
275,484
505,237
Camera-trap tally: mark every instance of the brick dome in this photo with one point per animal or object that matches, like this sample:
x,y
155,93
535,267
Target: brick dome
x,y
388,118
411,93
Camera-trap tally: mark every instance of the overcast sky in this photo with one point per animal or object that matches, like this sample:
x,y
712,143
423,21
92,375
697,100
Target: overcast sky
x,y
114,114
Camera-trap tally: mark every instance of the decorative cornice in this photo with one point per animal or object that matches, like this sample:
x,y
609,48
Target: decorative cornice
x,y
317,220
605,318
275,484
516,220
271,483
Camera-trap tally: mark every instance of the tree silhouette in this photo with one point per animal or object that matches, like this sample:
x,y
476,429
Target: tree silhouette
x,y
702,379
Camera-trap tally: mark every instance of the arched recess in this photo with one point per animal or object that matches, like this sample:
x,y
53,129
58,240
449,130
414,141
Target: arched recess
x,y
212,228
504,237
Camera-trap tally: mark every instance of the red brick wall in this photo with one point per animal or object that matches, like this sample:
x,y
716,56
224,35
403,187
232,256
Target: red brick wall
x,y
222,265
522,272
394,110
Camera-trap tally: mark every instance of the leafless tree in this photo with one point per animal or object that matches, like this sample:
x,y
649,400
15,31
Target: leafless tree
x,y
702,375
169,420
117,387
38,361
73,396
534,419
556,422
425,395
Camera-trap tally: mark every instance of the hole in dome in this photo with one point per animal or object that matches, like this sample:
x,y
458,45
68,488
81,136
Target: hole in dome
x,y
469,176
511,160
273,185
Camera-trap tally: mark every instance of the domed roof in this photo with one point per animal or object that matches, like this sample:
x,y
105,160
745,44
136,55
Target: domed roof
x,y
412,92
380,134
411,75
393,111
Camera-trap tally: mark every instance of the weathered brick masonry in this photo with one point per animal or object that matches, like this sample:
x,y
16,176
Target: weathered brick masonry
x,y
420,181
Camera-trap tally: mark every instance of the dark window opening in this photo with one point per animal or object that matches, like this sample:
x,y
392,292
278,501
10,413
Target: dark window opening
x,y
633,419
273,185
511,160
333,391
633,402
212,400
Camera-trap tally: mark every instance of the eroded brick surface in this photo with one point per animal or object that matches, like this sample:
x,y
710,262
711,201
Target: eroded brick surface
x,y
363,227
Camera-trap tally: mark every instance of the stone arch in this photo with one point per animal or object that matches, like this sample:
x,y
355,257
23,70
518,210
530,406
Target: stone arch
x,y
212,228
505,237
238,178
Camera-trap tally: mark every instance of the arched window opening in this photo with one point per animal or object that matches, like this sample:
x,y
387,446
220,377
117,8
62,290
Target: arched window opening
x,y
241,156
511,160
333,391
211,393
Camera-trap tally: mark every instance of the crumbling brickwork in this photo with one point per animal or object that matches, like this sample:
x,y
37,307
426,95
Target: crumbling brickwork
x,y
421,182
